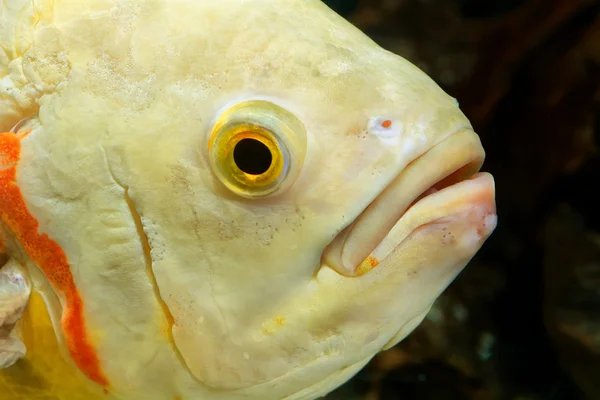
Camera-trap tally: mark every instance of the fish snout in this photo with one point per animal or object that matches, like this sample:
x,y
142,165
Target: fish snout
x,y
437,185
397,283
465,212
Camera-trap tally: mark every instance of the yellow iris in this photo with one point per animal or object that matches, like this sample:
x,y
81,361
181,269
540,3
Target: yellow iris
x,y
256,148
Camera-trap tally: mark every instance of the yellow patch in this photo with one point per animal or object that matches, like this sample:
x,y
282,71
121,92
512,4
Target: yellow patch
x,y
44,374
368,264
271,326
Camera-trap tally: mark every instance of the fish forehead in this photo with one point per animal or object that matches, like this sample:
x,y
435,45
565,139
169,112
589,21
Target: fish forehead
x,y
331,74
222,46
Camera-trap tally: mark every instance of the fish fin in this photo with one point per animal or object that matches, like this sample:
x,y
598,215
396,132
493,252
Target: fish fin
x,y
44,373
14,295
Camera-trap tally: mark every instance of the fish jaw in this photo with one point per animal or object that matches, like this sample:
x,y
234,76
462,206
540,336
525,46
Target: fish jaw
x,y
412,263
465,213
385,222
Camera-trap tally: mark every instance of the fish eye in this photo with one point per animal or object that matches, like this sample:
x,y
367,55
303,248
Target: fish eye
x,y
252,156
256,148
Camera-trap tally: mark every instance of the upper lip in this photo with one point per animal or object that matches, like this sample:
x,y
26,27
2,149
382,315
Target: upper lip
x,y
451,161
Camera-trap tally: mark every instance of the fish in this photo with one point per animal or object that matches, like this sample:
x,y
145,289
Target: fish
x,y
219,199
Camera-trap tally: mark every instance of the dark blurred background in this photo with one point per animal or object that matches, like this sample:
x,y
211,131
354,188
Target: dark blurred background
x,y
523,320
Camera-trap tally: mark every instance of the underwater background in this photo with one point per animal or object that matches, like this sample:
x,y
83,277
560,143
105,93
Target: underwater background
x,y
522,321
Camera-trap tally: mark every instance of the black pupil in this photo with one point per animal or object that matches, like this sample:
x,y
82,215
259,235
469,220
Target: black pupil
x,y
252,156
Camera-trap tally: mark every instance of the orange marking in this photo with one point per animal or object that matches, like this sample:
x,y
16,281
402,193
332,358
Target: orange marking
x,y
368,264
386,124
48,255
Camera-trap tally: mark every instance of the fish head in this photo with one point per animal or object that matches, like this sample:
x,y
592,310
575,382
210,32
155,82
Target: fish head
x,y
252,198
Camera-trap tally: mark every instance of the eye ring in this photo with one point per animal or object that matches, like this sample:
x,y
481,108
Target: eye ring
x,y
257,148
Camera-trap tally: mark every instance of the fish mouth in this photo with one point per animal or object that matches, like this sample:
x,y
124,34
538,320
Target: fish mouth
x,y
441,183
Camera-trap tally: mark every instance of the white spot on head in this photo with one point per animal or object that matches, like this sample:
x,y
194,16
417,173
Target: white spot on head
x,y
456,102
387,130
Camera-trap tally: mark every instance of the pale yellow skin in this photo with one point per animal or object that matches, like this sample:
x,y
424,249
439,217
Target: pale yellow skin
x,y
120,97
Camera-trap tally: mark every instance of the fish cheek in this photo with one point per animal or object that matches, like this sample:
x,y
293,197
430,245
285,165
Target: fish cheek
x,y
396,295
76,224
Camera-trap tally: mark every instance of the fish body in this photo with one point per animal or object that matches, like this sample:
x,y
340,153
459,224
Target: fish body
x,y
219,199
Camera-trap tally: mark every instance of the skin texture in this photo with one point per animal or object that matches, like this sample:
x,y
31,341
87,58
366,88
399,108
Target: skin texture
x,y
161,283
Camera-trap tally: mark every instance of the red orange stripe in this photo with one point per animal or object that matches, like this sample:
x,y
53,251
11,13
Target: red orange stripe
x,y
49,256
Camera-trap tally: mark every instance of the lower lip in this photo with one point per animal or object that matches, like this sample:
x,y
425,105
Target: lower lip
x,y
469,202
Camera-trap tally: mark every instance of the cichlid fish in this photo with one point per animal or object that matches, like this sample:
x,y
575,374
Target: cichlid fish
x,y
218,199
